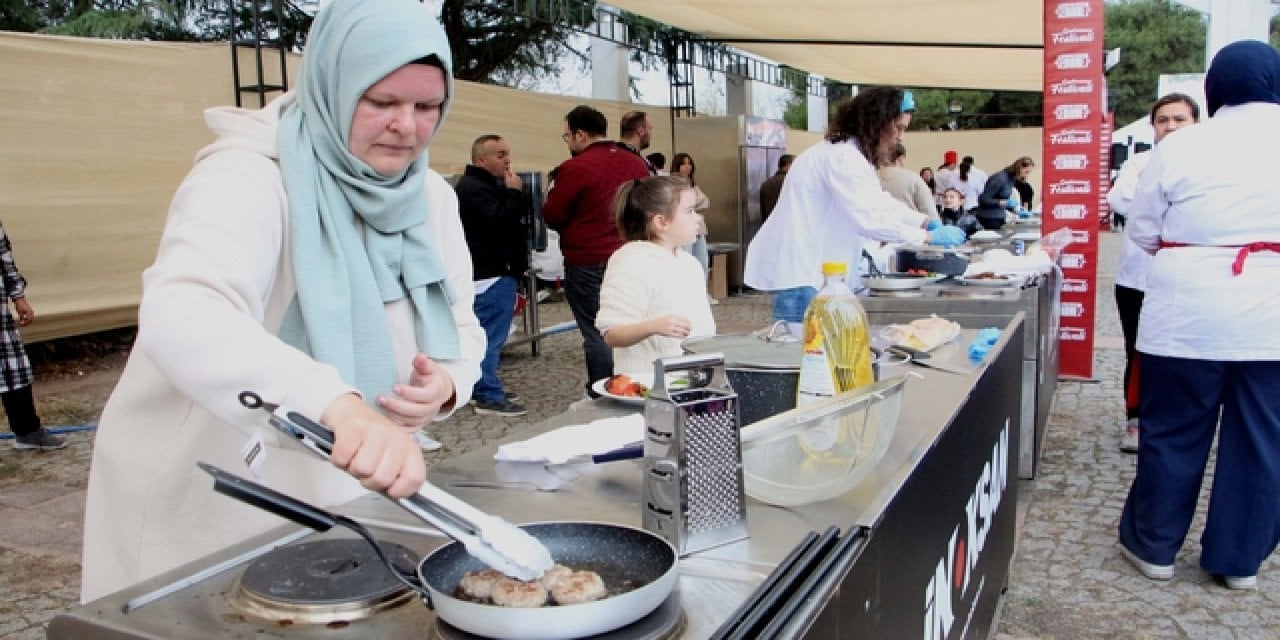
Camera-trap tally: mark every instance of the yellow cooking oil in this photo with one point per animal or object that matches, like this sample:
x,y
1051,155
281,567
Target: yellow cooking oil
x,y
837,358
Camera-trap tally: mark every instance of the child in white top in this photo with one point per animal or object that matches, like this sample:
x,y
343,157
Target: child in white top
x,y
654,294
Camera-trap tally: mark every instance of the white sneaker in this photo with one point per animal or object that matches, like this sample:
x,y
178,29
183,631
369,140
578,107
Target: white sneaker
x,y
426,442
1153,571
1129,442
1241,583
711,300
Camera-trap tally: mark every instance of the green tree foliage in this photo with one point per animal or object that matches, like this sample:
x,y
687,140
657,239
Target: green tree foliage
x,y
1155,37
489,40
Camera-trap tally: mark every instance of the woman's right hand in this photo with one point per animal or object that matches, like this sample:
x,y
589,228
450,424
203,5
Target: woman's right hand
x,y
372,448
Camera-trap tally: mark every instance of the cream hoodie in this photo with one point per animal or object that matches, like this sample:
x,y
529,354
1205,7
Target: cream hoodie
x,y
211,304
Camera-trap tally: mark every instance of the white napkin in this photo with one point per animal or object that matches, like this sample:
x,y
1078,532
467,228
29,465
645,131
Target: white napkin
x,y
560,445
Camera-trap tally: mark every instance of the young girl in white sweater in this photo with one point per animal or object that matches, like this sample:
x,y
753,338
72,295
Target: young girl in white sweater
x,y
654,294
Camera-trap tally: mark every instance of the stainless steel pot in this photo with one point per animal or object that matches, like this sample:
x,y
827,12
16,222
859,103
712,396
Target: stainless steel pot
x,y
763,369
950,262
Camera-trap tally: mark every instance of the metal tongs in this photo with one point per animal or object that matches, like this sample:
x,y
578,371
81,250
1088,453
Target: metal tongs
x,y
492,540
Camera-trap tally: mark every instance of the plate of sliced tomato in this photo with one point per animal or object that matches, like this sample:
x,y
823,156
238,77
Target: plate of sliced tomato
x,y
628,388
632,388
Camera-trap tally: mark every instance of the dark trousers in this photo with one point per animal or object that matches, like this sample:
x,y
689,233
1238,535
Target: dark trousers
x,y
1129,305
20,407
1184,403
582,291
993,224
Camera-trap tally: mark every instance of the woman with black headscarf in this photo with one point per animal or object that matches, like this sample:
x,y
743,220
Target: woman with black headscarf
x,y
1209,335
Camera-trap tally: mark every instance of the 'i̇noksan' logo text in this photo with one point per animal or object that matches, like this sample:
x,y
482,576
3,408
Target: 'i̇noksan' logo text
x,y
950,581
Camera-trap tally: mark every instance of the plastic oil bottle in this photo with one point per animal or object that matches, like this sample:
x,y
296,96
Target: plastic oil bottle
x,y
837,358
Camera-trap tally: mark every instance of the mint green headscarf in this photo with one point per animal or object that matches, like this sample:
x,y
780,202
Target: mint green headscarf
x,y
358,238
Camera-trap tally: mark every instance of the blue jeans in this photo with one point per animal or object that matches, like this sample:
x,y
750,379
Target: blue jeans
x,y
699,250
790,304
582,292
494,308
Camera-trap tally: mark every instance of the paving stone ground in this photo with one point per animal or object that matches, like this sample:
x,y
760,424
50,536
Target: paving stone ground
x,y
1068,579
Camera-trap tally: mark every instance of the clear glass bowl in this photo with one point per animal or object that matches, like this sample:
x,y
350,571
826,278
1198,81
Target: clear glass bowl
x,y
821,450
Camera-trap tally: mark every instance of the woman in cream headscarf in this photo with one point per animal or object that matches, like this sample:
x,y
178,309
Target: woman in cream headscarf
x,y
310,256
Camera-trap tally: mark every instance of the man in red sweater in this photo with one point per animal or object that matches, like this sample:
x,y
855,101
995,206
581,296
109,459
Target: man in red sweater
x,y
580,208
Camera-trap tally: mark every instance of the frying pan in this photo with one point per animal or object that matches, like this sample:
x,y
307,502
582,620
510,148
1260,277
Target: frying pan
x,y
638,568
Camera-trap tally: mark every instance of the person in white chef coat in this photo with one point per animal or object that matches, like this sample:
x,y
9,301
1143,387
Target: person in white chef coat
x,y
312,257
1170,113
1209,332
832,202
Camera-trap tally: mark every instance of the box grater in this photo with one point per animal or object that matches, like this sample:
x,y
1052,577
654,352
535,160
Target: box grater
x,y
693,487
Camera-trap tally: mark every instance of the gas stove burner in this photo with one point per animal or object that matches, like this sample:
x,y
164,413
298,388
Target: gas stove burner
x,y
972,293
897,293
664,623
323,581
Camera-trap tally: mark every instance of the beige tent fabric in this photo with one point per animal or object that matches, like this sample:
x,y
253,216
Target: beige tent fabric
x,y
95,135
919,37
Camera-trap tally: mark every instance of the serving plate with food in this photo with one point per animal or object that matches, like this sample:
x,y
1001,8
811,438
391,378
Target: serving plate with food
x,y
990,279
913,279
633,388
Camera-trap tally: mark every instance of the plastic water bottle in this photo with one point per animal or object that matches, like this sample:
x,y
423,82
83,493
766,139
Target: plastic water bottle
x,y
837,352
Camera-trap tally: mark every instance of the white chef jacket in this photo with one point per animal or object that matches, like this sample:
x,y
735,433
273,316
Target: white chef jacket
x,y
1134,262
830,204
1213,186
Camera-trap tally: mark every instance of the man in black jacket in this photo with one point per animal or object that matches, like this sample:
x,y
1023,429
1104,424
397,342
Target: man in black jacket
x,y
494,209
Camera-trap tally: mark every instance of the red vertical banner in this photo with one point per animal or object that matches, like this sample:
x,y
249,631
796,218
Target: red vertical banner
x,y
1074,124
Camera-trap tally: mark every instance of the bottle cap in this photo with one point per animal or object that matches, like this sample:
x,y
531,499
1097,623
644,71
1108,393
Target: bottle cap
x,y
834,268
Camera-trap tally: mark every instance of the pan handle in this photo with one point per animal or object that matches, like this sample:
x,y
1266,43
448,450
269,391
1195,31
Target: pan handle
x,y
254,494
291,508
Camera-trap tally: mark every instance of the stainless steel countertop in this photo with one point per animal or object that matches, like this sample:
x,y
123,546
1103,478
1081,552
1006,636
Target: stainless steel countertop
x,y
612,492
712,583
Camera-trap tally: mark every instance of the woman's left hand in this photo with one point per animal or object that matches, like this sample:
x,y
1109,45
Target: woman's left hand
x,y
415,404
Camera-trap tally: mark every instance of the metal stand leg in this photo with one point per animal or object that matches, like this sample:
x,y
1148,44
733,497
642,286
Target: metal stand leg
x,y
530,315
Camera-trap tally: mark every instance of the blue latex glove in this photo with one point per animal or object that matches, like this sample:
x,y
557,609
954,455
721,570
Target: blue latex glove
x,y
934,223
1011,203
986,339
946,236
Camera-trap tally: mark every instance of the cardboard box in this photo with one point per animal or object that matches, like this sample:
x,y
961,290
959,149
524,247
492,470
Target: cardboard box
x,y
717,280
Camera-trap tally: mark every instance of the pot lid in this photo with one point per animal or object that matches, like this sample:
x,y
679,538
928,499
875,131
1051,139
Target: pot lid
x,y
755,350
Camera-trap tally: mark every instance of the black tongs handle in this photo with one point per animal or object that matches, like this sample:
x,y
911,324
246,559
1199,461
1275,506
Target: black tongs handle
x,y
311,433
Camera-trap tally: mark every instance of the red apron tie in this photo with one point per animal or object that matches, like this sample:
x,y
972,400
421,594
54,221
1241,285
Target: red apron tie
x,y
1237,265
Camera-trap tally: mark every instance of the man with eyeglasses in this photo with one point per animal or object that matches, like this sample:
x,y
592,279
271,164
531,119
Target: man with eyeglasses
x,y
580,208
